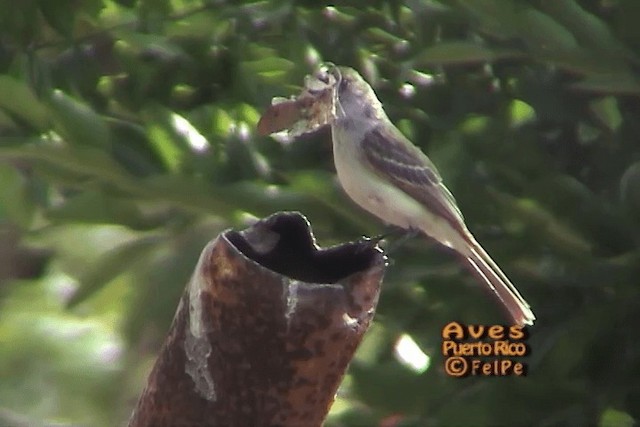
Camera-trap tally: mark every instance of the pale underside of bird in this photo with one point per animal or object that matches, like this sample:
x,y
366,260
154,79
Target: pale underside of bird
x,y
384,173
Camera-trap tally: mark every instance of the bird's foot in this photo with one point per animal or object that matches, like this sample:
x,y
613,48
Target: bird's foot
x,y
403,235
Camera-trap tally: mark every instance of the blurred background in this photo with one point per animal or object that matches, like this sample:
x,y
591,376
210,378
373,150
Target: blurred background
x,y
127,141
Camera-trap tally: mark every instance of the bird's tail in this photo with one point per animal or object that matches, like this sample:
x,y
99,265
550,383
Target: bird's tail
x,y
488,271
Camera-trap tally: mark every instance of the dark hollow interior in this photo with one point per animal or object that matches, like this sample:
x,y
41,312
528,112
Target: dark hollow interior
x,y
295,255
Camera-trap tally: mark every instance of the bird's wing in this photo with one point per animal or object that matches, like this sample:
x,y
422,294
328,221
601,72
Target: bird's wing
x,y
396,159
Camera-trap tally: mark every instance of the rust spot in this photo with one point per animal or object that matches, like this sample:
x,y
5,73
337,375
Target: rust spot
x,y
303,382
318,347
336,336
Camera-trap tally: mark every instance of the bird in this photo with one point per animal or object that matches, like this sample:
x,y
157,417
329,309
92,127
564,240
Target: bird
x,y
390,177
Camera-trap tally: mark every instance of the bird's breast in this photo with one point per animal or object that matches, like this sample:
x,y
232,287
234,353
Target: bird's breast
x,y
366,187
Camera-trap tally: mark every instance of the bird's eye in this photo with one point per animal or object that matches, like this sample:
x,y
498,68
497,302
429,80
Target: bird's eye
x,y
323,76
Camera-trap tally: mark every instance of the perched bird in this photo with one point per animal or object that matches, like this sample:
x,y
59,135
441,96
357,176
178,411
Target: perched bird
x,y
384,173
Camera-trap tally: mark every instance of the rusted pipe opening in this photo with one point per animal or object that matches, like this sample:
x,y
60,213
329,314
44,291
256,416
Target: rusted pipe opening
x,y
284,243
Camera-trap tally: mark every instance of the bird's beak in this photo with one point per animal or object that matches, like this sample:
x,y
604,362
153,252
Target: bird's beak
x,y
327,77
330,69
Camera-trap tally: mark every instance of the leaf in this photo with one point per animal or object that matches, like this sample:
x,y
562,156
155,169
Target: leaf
x,y
609,84
59,14
630,189
168,144
204,24
221,122
15,201
543,34
256,198
19,22
556,232
461,52
84,161
248,113
588,29
132,150
545,224
271,69
126,3
150,45
98,208
111,265
6,122
521,113
381,36
17,98
183,192
614,418
607,111
495,17
581,61
344,16
77,122
190,194
387,386
626,24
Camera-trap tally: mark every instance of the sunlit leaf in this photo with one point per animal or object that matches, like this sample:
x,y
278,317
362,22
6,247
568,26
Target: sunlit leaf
x,y
606,110
614,418
270,69
521,113
380,35
169,145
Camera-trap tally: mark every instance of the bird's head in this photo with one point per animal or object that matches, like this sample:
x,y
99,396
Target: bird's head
x,y
353,96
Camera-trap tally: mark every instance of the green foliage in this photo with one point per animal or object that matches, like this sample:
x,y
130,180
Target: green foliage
x,y
127,141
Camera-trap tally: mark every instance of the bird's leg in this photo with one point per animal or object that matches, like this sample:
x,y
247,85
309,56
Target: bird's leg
x,y
403,235
391,230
